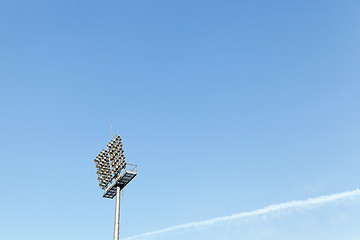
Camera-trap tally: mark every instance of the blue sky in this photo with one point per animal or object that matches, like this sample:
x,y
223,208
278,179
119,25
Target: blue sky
x,y
226,106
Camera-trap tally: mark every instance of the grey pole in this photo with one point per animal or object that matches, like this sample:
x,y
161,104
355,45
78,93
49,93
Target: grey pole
x,y
117,214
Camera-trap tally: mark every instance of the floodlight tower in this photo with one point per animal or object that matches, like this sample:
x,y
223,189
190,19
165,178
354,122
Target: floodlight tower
x,y
114,174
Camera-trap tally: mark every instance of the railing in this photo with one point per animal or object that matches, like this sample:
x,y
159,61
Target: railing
x,y
131,168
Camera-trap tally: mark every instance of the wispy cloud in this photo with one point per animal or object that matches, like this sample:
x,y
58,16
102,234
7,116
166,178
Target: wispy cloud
x,y
310,202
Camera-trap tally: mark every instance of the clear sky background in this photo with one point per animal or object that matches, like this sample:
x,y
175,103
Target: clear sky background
x,y
226,106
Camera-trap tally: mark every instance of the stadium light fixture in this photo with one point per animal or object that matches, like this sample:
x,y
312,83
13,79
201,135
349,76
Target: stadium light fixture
x,y
114,174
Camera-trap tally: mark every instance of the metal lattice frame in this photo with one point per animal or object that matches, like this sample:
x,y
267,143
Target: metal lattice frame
x,y
111,167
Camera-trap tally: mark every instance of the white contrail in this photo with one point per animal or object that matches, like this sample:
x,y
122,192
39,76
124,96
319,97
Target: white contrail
x,y
310,202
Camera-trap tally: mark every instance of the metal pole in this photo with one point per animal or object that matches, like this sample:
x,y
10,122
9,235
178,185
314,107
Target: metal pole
x,y
117,214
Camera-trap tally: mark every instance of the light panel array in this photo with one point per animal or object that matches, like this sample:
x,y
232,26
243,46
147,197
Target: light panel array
x,y
110,162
